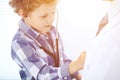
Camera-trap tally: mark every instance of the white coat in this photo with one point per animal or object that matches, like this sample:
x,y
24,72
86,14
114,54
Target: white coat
x,y
103,56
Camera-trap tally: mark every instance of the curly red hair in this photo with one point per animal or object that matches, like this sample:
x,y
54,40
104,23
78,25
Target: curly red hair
x,y
28,5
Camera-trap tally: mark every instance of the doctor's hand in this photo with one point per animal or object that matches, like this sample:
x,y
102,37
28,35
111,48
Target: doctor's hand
x,y
78,64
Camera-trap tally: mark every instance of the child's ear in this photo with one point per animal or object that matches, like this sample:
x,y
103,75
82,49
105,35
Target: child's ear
x,y
21,13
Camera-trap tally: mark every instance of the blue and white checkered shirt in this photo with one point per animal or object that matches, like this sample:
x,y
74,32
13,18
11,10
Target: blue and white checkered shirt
x,y
34,62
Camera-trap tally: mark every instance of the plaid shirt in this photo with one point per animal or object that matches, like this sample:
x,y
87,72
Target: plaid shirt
x,y
34,62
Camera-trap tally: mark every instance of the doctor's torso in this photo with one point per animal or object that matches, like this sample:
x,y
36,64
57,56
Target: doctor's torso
x,y
103,55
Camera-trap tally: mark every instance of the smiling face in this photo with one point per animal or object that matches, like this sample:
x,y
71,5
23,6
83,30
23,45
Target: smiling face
x,y
41,18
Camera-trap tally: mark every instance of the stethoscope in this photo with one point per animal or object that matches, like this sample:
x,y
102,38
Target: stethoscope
x,y
54,56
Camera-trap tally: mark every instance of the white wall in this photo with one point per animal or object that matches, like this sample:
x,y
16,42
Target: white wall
x,y
8,20
78,21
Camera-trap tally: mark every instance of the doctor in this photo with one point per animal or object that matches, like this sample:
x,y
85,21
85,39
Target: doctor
x,y
103,56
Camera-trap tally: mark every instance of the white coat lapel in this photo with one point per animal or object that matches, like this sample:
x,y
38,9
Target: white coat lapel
x,y
111,24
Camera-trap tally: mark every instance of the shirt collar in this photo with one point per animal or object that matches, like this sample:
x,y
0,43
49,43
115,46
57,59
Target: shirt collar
x,y
28,30
33,33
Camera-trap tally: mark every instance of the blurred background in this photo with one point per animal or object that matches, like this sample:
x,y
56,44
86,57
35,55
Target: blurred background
x,y
78,23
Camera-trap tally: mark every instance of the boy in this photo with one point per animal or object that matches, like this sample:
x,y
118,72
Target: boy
x,y
37,47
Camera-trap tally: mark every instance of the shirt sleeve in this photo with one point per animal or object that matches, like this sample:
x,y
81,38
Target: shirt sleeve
x,y
36,66
66,59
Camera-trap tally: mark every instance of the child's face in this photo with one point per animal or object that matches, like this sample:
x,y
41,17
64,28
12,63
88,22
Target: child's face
x,y
41,18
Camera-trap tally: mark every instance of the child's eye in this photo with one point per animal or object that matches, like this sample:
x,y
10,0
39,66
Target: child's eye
x,y
43,16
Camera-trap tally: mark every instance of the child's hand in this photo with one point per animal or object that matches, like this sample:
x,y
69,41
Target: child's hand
x,y
77,64
81,59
